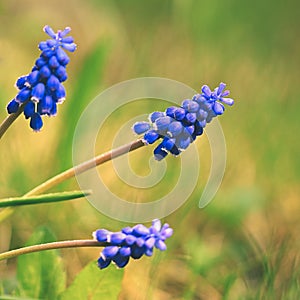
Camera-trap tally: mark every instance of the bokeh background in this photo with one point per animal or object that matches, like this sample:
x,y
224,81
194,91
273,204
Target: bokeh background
x,y
245,243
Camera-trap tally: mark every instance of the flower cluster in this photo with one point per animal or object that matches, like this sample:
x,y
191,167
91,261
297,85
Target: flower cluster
x,y
41,90
131,242
179,126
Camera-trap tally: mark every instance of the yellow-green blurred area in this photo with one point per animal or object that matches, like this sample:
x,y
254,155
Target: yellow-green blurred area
x,y
244,244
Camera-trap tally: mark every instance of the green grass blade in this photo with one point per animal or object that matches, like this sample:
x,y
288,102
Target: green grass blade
x,y
44,198
41,275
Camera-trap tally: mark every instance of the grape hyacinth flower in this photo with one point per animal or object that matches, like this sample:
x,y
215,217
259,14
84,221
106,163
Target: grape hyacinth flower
x,y
131,242
42,89
178,127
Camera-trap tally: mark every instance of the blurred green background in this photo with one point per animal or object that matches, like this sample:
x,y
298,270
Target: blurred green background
x,y
245,244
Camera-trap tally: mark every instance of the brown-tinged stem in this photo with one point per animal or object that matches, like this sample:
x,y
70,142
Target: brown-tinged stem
x,y
7,122
51,246
98,160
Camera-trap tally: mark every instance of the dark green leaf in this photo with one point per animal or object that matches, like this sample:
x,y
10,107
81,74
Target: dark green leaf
x,y
93,284
41,275
45,198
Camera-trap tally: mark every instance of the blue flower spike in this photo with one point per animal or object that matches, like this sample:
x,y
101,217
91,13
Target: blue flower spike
x,y
131,242
42,89
178,127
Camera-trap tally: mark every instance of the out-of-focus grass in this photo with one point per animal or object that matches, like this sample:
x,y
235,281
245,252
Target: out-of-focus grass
x,y
244,245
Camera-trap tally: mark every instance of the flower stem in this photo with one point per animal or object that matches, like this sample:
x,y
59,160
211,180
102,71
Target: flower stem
x,y
10,119
98,160
50,246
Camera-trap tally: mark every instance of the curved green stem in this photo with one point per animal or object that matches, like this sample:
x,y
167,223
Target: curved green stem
x,y
51,246
10,119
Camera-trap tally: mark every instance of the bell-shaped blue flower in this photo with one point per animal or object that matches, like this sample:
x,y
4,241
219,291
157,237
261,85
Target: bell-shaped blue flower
x,y
141,127
53,83
125,251
23,95
59,95
38,92
33,78
160,152
53,62
29,109
21,81
53,111
109,252
116,238
190,106
36,122
103,263
151,136
13,106
175,128
120,260
61,73
45,72
101,235
62,57
162,124
45,105
155,115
